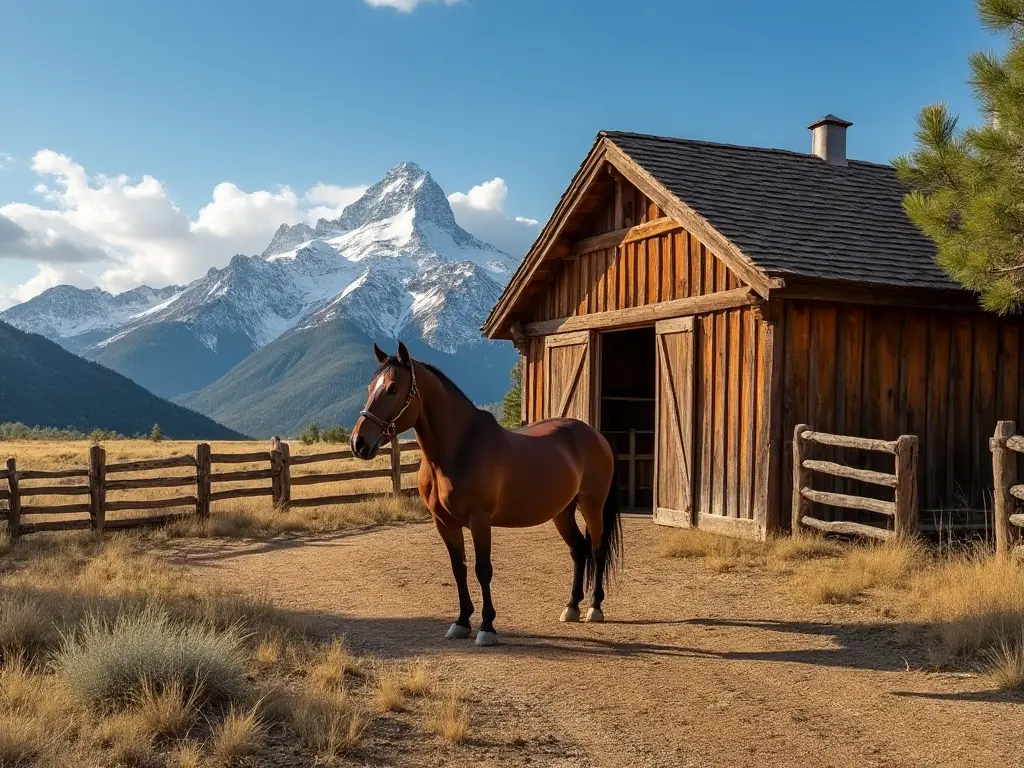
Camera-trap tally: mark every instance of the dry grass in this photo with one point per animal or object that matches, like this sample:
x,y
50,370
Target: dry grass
x,y
241,733
449,717
864,567
724,553
329,723
389,689
113,656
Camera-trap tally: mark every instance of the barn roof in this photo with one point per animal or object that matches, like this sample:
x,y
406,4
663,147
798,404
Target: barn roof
x,y
794,214
778,217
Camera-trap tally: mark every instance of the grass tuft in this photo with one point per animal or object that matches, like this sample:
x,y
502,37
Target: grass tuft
x,y
389,689
329,723
168,712
331,666
111,664
239,734
26,632
449,717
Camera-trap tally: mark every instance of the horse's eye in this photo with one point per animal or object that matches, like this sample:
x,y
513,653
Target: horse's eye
x,y
393,389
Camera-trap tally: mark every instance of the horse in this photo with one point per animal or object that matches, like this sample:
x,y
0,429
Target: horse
x,y
476,474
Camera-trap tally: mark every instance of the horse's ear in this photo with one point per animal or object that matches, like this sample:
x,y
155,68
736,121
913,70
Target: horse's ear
x,y
380,353
403,354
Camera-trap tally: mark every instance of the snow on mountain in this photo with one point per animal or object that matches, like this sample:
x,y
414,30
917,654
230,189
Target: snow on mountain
x,y
395,263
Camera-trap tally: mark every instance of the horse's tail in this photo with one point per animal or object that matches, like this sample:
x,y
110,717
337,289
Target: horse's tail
x,y
611,533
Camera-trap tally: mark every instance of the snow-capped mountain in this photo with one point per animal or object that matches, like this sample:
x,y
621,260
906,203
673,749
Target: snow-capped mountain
x,y
394,264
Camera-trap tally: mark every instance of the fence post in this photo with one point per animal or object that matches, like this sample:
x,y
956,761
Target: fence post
x,y
801,478
286,473
906,486
203,479
14,503
277,466
97,488
396,465
1004,473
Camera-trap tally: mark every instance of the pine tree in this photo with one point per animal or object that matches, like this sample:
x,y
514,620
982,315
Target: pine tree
x,y
511,406
155,434
968,186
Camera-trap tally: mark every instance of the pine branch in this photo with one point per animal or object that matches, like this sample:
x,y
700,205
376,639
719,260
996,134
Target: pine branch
x,y
1001,15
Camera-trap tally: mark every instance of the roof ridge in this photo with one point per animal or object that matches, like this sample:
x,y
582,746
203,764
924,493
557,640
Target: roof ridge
x,y
746,147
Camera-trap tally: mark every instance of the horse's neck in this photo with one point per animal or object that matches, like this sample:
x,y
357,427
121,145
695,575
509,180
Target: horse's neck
x,y
444,422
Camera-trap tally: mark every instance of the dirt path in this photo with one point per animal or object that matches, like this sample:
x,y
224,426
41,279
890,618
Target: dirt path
x,y
692,668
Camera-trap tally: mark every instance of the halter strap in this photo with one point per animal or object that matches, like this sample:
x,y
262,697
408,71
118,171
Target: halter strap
x,y
388,427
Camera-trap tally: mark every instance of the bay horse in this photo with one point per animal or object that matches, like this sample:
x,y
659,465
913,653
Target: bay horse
x,y
475,474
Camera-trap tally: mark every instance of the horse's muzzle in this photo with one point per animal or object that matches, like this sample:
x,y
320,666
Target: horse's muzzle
x,y
363,449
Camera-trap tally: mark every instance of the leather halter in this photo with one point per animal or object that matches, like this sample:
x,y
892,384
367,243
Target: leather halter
x,y
388,428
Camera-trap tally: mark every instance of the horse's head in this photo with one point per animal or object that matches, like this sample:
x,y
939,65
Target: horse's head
x,y
392,403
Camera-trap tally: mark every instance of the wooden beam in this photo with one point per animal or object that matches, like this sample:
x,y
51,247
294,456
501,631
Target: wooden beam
x,y
846,441
851,292
694,223
696,305
863,475
150,464
623,236
850,502
729,526
848,529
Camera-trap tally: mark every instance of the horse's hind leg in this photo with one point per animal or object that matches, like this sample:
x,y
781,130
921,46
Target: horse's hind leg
x,y
593,516
565,522
480,527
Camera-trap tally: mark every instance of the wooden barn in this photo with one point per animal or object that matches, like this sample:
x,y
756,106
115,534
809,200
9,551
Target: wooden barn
x,y
697,301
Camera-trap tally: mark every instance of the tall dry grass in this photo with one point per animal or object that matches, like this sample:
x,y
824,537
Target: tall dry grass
x,y
117,657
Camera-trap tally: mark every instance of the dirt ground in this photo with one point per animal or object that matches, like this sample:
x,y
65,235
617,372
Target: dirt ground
x,y
692,668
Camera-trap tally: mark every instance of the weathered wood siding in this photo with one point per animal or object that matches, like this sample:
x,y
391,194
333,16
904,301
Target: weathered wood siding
x,y
730,414
882,372
672,265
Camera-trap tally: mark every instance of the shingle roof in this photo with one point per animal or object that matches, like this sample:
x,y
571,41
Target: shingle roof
x,y
793,213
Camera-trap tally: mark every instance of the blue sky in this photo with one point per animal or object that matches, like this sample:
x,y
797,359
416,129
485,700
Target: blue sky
x,y
268,94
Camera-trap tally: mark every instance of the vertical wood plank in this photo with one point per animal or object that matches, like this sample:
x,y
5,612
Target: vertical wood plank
x,y
721,460
14,502
707,410
983,412
681,250
653,270
641,273
914,387
801,478
795,371
1004,469
748,422
734,424
696,251
959,467
935,450
583,282
97,488
906,486
203,480
822,384
668,267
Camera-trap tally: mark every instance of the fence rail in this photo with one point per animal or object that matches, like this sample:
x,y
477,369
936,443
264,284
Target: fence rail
x,y
203,480
902,509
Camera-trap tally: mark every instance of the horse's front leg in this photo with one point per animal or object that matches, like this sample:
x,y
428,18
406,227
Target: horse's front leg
x,y
480,527
451,533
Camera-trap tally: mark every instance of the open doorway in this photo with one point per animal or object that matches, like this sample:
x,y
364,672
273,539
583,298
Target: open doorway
x,y
627,383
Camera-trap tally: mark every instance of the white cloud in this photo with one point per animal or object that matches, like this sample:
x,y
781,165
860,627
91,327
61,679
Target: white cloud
x,y
481,210
406,6
6,162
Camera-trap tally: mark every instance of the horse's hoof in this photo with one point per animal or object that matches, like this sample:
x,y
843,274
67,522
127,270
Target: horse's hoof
x,y
486,638
570,614
595,615
457,632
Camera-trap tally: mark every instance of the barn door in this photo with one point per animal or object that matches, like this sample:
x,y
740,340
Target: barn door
x,y
567,375
673,445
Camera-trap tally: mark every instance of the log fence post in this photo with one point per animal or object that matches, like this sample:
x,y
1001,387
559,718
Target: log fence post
x,y
801,478
277,467
97,488
1004,473
203,480
14,502
286,473
396,465
905,522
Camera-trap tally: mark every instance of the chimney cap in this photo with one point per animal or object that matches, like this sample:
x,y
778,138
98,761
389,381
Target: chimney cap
x,y
830,119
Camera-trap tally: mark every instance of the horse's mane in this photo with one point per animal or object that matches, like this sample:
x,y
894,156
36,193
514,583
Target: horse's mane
x,y
451,386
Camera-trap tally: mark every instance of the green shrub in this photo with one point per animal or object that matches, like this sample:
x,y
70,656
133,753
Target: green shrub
x,y
311,434
111,664
336,434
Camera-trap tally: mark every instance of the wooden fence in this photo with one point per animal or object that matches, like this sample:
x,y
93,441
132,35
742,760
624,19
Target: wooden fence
x,y
203,479
1006,445
902,509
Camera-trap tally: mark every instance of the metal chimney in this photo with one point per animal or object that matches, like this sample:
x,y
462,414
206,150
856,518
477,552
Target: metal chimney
x,y
828,139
